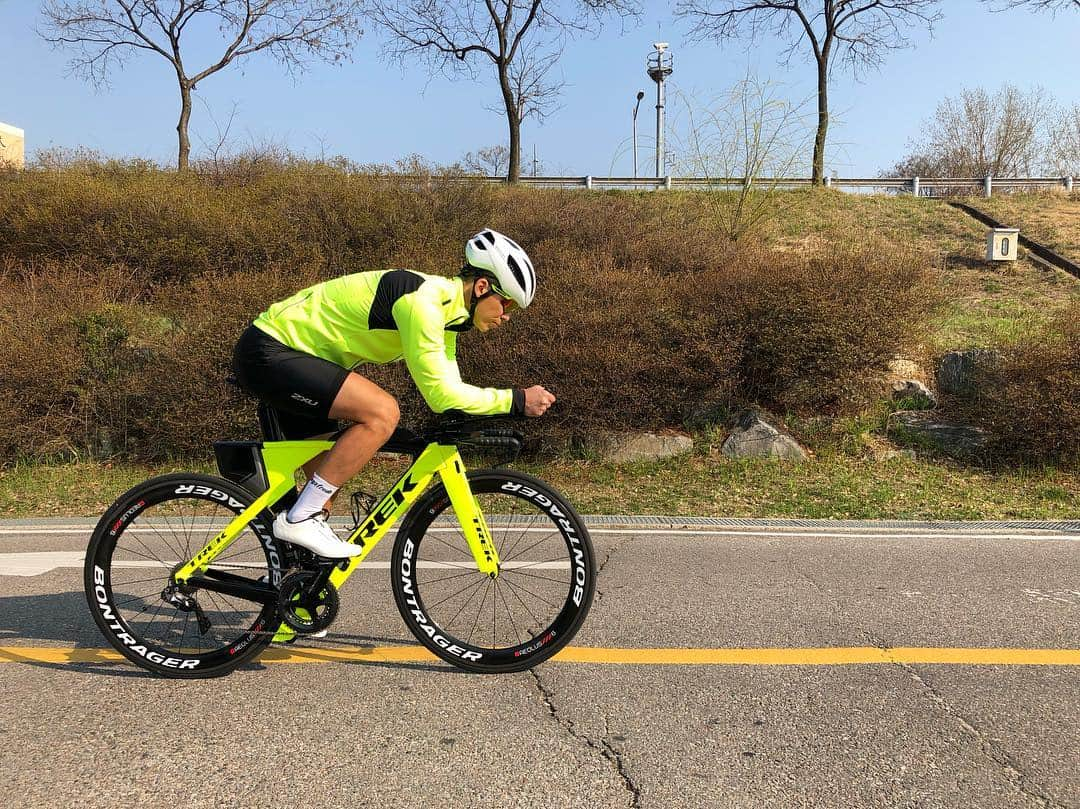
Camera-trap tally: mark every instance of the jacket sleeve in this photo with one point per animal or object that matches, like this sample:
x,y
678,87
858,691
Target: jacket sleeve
x,y
430,354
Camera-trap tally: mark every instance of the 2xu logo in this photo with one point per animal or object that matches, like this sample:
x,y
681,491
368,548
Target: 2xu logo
x,y
580,576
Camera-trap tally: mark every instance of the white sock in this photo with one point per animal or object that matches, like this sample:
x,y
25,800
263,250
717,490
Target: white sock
x,y
312,499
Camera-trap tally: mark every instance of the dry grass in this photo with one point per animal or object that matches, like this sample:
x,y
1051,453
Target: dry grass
x,y
1052,218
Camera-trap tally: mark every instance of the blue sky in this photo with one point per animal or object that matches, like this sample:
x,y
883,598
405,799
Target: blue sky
x,y
373,112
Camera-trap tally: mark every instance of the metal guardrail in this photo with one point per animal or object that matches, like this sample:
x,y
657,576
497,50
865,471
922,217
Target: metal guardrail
x,y
914,185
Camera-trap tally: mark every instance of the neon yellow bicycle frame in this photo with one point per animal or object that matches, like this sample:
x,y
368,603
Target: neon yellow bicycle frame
x,y
283,458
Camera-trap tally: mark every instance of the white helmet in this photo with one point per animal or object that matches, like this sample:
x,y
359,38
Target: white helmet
x,y
495,254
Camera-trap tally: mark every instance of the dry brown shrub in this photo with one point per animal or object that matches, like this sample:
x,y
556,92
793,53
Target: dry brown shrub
x,y
645,310
814,326
1029,401
67,368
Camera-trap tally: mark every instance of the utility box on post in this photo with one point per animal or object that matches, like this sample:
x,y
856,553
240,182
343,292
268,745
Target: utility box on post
x,y
1001,244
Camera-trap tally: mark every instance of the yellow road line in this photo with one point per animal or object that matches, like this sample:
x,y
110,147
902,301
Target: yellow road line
x,y
830,656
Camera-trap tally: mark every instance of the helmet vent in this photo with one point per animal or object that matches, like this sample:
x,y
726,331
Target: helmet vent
x,y
516,270
480,244
491,238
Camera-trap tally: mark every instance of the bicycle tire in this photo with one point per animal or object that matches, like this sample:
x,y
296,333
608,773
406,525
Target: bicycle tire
x,y
144,535
532,526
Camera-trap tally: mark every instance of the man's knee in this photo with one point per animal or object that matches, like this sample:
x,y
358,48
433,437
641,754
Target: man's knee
x,y
384,417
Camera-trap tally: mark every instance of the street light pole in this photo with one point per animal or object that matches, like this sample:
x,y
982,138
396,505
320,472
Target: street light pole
x,y
640,95
659,67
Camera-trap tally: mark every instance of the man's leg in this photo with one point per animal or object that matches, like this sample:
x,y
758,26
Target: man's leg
x,y
375,415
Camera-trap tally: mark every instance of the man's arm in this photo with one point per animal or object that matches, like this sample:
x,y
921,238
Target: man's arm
x,y
429,357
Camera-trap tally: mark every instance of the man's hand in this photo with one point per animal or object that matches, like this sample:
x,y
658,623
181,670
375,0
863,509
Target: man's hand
x,y
538,400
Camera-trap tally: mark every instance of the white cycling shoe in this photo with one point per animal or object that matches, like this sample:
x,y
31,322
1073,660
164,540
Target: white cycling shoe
x,y
315,534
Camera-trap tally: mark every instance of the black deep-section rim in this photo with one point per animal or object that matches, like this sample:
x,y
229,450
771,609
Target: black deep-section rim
x,y
182,535
535,647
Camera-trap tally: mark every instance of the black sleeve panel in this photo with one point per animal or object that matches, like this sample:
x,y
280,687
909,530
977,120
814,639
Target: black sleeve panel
x,y
518,408
392,286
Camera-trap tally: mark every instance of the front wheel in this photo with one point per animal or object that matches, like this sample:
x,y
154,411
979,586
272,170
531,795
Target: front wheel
x,y
522,616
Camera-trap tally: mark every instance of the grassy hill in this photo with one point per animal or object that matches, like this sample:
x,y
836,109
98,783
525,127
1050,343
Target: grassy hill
x,y
122,289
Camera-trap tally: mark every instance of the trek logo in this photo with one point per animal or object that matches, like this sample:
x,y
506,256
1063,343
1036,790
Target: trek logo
x,y
484,536
305,400
578,562
385,510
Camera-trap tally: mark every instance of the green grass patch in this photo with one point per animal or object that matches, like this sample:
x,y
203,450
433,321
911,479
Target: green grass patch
x,y
833,485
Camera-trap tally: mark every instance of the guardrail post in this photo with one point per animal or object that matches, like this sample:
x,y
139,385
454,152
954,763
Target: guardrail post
x,y
667,182
588,182
988,186
1068,184
915,186
828,181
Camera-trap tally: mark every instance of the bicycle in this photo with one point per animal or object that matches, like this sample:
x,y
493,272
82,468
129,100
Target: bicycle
x,y
230,587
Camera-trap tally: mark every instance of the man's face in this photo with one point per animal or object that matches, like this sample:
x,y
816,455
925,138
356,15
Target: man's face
x,y
492,311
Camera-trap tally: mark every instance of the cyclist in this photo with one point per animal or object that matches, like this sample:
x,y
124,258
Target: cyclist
x,y
300,355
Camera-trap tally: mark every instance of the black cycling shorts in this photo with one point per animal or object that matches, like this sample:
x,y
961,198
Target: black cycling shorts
x,y
300,386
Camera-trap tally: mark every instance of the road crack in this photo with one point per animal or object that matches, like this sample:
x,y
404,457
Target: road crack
x,y
612,756
990,749
600,568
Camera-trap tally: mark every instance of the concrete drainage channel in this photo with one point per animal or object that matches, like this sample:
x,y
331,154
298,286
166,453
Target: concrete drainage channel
x,y
655,522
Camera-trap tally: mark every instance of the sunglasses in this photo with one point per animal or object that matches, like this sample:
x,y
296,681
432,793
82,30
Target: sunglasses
x,y
507,302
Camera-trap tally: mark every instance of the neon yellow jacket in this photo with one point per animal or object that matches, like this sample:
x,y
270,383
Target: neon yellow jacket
x,y
383,316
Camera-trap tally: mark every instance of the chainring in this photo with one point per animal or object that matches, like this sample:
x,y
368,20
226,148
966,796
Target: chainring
x,y
307,613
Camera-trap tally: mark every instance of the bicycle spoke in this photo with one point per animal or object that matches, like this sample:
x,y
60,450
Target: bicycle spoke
x,y
475,589
535,544
517,572
510,615
536,621
479,609
462,590
457,549
472,572
524,533
534,595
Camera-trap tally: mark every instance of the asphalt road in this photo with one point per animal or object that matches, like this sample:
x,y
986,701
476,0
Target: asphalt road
x,y
365,730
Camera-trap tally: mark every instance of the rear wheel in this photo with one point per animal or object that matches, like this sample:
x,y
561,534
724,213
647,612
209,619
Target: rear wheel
x,y
189,631
517,619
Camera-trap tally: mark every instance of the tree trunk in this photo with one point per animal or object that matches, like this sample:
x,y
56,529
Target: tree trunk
x,y
182,126
513,120
822,121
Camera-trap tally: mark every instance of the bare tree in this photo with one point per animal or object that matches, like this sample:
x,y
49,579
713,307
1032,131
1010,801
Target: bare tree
x,y
521,39
1065,143
1053,6
749,137
489,161
857,32
107,32
979,133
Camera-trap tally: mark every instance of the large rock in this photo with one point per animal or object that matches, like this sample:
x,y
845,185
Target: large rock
x,y
904,368
959,371
914,393
922,428
753,437
648,447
